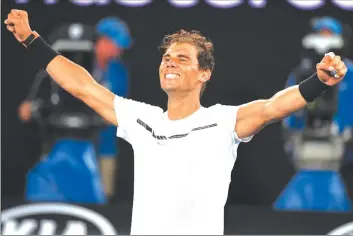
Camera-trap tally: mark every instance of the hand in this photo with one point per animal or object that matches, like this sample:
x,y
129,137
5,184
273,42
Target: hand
x,y
17,23
331,63
24,111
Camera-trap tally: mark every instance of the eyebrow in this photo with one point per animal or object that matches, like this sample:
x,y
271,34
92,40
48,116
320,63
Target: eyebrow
x,y
179,55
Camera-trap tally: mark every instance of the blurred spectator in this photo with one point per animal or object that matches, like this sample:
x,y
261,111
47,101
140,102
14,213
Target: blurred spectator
x,y
113,39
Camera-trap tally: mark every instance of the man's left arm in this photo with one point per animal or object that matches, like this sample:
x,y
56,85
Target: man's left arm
x,y
253,116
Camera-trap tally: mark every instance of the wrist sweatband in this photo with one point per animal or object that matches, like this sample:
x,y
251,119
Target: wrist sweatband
x,y
40,53
312,88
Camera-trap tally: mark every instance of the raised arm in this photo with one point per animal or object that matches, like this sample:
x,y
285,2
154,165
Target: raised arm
x,y
70,76
77,81
253,116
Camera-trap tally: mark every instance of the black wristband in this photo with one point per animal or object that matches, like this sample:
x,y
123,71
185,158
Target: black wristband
x,y
29,40
312,88
40,53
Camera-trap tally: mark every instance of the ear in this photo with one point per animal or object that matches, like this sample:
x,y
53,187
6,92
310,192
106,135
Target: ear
x,y
205,76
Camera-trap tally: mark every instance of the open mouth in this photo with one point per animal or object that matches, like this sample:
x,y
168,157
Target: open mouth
x,y
171,76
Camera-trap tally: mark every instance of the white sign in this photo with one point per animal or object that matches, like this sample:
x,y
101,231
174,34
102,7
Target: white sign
x,y
300,4
346,229
11,224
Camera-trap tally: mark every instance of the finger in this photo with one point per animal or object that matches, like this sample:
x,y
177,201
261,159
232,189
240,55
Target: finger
x,y
328,57
13,16
10,28
9,22
13,22
18,13
339,66
15,11
324,66
335,61
341,72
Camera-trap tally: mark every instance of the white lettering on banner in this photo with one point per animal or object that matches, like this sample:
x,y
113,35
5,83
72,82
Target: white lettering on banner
x,y
344,4
346,229
90,2
307,4
224,3
11,226
134,3
51,1
258,3
45,227
45,1
183,3
300,4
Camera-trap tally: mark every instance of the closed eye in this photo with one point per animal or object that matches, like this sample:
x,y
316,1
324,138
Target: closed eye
x,y
166,59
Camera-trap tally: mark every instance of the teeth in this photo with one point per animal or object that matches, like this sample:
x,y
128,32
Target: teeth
x,y
171,76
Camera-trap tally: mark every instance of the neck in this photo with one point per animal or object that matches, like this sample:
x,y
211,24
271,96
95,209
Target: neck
x,y
102,64
183,105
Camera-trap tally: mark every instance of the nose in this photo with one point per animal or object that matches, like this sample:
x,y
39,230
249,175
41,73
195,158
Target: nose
x,y
171,63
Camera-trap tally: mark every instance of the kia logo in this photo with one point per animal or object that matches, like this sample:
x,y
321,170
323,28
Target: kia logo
x,y
23,220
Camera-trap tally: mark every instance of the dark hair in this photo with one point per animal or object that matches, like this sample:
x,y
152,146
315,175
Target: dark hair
x,y
204,47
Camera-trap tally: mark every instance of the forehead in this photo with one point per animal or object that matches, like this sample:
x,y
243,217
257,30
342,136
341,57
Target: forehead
x,y
105,40
187,49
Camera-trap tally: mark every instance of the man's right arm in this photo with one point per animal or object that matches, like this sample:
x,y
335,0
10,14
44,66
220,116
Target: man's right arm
x,y
70,76
77,81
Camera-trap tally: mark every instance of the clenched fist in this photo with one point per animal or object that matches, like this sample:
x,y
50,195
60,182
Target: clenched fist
x,y
331,70
17,23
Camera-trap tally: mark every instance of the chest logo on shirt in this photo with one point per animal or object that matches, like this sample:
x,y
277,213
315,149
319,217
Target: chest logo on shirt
x,y
163,137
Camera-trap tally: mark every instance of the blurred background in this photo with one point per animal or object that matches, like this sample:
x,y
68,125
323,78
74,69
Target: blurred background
x,y
55,149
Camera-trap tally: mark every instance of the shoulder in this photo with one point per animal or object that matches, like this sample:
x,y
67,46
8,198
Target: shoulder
x,y
129,112
225,114
221,109
136,107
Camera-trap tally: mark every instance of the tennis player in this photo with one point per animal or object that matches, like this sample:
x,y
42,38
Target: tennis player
x,y
184,156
